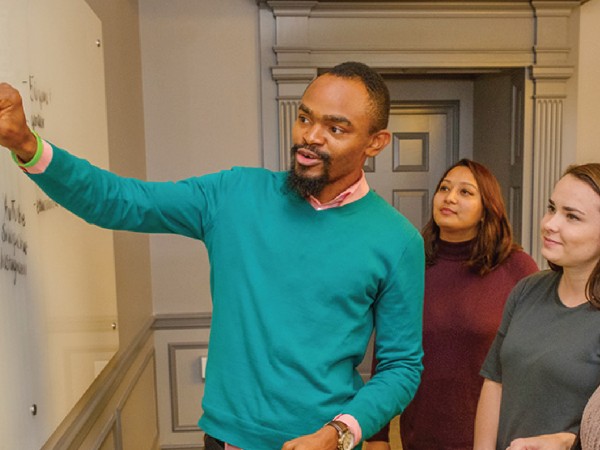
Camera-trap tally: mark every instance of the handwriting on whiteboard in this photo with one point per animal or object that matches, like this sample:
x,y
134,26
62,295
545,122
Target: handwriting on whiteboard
x,y
13,245
39,97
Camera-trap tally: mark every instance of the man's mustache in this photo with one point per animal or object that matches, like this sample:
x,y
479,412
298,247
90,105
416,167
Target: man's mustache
x,y
313,149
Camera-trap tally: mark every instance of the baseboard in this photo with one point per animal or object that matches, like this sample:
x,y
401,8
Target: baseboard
x,y
182,447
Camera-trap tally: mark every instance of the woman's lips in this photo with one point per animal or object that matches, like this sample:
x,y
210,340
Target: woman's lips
x,y
550,242
446,211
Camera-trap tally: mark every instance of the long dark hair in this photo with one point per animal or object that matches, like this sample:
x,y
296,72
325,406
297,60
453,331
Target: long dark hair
x,y
494,241
590,175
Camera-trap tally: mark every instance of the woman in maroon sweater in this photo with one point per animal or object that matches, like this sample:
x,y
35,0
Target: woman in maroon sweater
x,y
472,265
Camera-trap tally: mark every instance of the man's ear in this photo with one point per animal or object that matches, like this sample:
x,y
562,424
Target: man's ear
x,y
379,140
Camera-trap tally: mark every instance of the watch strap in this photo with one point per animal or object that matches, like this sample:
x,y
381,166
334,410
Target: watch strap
x,y
340,426
342,430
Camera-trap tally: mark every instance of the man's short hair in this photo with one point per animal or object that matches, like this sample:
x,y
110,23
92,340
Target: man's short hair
x,y
376,87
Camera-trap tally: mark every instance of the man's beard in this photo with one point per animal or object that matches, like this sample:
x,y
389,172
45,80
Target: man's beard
x,y
305,186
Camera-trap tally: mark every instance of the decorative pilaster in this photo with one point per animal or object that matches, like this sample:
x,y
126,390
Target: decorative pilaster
x,y
291,83
553,67
288,111
549,98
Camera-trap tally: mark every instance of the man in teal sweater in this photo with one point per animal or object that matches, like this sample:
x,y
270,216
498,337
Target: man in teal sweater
x,y
304,265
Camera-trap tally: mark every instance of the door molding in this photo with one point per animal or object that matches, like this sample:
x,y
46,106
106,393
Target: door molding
x,y
420,157
448,108
300,38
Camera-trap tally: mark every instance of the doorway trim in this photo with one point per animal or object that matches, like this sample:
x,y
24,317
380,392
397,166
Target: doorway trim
x,y
300,38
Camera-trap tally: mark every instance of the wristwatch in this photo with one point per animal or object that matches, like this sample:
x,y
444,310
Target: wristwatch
x,y
345,437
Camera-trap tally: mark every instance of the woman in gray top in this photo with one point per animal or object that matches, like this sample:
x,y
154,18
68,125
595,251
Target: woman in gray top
x,y
544,363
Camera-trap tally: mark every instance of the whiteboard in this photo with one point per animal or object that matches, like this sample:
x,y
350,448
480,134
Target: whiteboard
x,y
58,314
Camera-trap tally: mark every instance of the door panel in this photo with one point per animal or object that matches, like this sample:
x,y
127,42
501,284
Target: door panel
x,y
424,142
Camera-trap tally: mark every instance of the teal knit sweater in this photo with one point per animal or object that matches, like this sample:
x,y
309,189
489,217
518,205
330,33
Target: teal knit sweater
x,y
296,294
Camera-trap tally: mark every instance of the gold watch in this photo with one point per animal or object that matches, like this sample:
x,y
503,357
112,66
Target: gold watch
x,y
345,436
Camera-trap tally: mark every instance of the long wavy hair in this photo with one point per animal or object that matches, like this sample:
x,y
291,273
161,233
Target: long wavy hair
x,y
590,175
494,241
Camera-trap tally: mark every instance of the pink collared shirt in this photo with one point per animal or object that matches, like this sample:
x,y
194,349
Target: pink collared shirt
x,y
355,192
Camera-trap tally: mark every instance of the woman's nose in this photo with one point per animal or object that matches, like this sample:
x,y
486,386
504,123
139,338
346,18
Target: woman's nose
x,y
549,222
450,196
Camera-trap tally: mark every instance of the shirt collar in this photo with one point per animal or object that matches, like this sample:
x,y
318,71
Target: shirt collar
x,y
353,193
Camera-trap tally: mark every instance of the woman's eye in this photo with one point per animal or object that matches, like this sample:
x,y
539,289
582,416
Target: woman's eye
x,y
550,208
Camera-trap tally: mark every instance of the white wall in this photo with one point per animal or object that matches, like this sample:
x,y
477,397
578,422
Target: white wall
x,y
588,121
201,79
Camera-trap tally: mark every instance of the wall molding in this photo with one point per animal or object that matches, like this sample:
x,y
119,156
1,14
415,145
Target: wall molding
x,y
181,321
176,425
398,8
182,447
